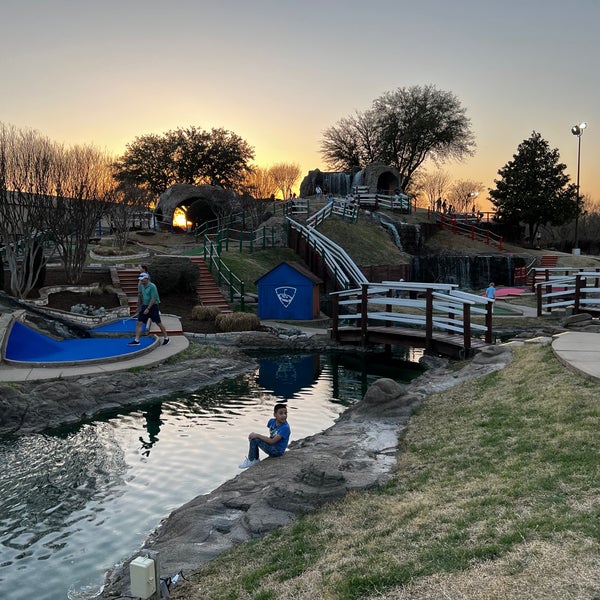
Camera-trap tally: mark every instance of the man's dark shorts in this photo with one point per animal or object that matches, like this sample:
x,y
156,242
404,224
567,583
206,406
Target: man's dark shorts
x,y
153,314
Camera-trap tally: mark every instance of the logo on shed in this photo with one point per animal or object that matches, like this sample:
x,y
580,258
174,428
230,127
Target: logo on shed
x,y
286,295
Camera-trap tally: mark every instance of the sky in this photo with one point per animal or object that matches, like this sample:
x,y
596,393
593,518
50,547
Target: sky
x,y
280,72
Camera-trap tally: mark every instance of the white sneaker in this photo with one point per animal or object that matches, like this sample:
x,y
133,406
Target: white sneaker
x,y
249,463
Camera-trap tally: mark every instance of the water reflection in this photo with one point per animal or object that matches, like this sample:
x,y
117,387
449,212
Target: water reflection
x,y
76,501
284,376
153,423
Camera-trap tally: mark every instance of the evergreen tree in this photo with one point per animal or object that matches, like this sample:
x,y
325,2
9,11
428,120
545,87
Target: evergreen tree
x,y
534,189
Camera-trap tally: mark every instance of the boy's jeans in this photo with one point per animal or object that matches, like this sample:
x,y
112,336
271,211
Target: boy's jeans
x,y
255,444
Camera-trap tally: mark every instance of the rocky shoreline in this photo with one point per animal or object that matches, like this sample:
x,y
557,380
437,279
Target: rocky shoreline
x,y
357,453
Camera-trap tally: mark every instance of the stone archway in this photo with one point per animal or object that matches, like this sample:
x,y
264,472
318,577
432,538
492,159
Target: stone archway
x,y
184,195
381,178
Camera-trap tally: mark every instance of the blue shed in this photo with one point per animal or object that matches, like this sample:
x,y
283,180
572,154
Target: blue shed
x,y
288,291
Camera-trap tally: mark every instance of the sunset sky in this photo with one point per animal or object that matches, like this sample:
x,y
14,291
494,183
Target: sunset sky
x,y
279,72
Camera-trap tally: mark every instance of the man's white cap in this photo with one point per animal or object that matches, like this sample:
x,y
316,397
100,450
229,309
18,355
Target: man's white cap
x,y
144,276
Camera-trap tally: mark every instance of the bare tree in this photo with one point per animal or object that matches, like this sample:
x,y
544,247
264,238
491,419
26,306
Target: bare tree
x,y
83,181
403,129
463,195
259,183
255,210
434,186
285,176
26,161
124,204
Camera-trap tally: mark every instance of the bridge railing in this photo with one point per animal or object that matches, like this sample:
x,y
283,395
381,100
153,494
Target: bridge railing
x,y
341,208
426,306
579,292
340,265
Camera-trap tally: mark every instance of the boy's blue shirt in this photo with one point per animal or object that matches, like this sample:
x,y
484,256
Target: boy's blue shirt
x,y
283,430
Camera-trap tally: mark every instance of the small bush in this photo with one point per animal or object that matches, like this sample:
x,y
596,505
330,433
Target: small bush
x,y
204,313
237,321
102,289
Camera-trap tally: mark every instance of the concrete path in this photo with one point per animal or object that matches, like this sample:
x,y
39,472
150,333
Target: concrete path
x,y
579,351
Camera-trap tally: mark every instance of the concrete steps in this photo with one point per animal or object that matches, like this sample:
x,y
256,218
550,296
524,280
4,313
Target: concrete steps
x,y
209,293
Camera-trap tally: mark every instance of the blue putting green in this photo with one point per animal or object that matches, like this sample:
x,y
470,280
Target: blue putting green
x,y
29,346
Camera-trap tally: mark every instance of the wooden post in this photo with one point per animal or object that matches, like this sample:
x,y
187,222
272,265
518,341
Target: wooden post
x,y
335,312
363,313
467,328
578,294
538,294
488,322
429,320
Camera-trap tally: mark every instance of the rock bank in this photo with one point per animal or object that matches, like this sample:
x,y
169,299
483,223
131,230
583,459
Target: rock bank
x,y
358,452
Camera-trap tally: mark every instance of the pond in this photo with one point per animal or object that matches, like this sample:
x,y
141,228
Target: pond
x,y
75,502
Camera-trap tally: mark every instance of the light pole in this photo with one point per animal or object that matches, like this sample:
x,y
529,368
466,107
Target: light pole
x,y
578,131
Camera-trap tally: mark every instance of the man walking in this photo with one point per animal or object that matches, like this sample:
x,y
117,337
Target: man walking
x,y
148,310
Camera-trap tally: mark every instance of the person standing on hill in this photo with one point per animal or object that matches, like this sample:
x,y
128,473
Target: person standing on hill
x,y
490,293
148,310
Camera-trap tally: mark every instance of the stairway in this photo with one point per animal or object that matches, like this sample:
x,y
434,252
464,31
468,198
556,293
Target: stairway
x,y
209,293
128,281
548,261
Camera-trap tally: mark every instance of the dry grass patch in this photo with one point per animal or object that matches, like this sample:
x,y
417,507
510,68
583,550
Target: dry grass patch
x,y
237,321
204,313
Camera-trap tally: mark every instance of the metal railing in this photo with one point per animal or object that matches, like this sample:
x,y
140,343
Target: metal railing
x,y
224,275
342,268
258,239
341,208
469,226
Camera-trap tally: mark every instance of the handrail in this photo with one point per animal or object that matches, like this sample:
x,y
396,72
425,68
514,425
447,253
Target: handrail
x,y
445,308
335,258
470,227
212,259
261,238
568,291
341,208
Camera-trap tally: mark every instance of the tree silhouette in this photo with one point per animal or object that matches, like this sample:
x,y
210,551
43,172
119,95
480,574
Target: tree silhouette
x,y
533,188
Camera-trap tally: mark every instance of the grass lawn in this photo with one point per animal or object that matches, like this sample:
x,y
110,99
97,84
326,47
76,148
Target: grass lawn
x,y
495,495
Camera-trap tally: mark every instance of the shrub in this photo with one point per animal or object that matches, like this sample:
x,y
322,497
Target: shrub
x,y
237,321
173,274
204,313
102,288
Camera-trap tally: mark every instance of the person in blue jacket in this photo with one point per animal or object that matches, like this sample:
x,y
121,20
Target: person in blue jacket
x,y
275,443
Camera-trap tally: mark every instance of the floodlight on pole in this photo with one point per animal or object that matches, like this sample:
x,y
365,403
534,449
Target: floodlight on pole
x,y
577,130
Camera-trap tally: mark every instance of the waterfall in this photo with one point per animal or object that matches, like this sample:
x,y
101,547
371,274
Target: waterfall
x,y
357,179
468,272
337,184
394,231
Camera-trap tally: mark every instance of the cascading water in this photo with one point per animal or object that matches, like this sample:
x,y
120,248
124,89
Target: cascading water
x,y
357,179
392,228
337,184
468,272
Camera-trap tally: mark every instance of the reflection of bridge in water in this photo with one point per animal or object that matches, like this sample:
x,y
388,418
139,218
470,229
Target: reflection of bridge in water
x,y
434,316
